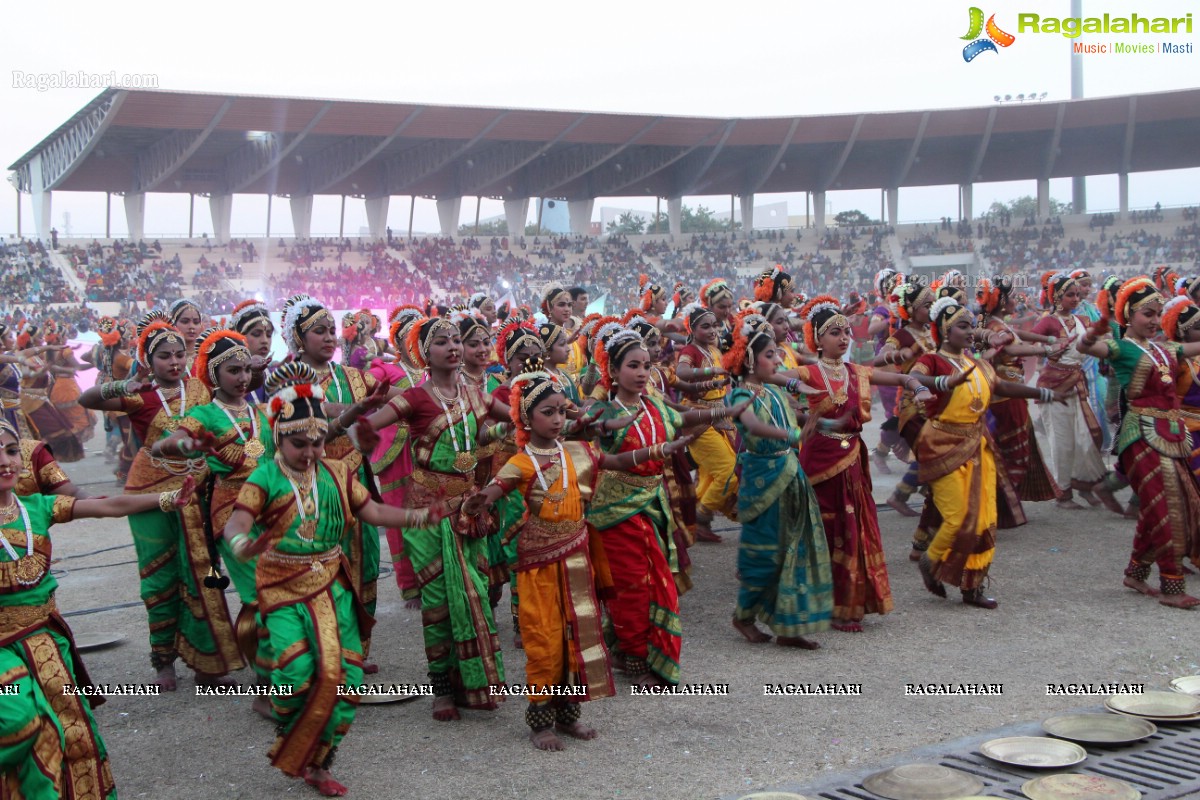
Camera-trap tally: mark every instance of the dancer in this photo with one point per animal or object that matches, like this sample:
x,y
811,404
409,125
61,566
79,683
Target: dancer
x,y
633,514
884,321
1153,445
64,392
1074,431
1180,320
1009,420
187,318
45,421
783,558
713,450
234,436
293,515
556,305
956,455
560,564
443,417
50,745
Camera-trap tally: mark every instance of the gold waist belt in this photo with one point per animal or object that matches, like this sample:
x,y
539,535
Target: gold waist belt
x,y
536,524
304,558
958,430
644,481
18,618
1158,413
451,484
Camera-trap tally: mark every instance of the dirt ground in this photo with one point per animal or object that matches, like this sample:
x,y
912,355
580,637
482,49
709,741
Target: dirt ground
x,y
1063,617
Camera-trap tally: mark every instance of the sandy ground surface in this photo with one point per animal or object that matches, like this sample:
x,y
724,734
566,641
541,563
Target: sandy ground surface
x,y
1063,617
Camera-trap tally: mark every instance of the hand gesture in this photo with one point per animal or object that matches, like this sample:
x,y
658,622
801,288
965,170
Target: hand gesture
x,y
960,377
1100,328
139,381
623,421
377,397
259,363
473,506
438,511
202,443
735,411
186,491
589,379
1001,339
678,444
363,436
904,355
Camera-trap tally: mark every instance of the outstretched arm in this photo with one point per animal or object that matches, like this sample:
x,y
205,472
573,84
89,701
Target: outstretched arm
x,y
125,504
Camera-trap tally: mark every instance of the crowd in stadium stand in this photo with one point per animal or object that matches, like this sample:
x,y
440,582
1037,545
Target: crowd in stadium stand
x,y
27,276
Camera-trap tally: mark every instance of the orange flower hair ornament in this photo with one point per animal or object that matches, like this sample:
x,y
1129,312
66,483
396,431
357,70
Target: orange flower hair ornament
x,y
1132,294
155,336
764,284
822,302
714,291
748,326
215,349
1178,316
527,387
650,292
612,344
513,337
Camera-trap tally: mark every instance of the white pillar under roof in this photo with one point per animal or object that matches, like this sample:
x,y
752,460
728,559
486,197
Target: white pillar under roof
x,y
967,192
302,206
893,206
377,211
135,216
41,200
449,209
221,208
515,213
747,212
819,211
1043,199
580,214
675,215
1123,195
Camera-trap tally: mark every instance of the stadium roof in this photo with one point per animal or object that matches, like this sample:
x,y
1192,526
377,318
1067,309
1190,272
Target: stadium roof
x,y
131,141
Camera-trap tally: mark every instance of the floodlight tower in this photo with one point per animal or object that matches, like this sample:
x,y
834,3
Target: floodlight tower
x,y
1078,184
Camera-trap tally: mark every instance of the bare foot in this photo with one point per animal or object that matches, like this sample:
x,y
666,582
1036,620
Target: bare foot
x,y
1087,495
1179,600
413,604
209,679
750,631
901,507
444,710
1141,586
1131,512
546,739
322,780
797,641
705,534
847,626
914,554
166,678
577,730
1110,502
262,707
370,668
879,461
649,679
1069,505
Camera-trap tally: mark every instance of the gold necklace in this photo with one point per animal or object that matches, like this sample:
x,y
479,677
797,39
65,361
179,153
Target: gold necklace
x,y
538,451
9,513
437,393
838,395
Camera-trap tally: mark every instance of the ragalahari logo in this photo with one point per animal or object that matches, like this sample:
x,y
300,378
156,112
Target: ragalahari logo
x,y
995,36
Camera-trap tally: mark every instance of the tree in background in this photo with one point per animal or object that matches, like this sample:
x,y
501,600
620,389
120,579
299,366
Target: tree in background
x,y
853,217
1026,206
629,224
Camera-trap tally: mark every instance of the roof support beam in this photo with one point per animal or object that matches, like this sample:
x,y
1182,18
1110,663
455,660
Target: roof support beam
x,y
981,151
407,168
559,170
637,168
1055,137
166,156
348,156
757,184
841,162
691,185
1130,123
257,157
902,173
62,155
506,159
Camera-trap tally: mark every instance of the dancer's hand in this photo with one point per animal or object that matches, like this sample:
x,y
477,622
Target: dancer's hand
x,y
473,506
959,377
186,490
363,436
675,445
377,397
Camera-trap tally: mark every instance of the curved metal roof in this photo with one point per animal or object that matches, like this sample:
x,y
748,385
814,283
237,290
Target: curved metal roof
x,y
129,141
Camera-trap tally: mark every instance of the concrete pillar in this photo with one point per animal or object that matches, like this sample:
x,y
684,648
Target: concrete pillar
x,y
377,211
1079,195
516,211
135,216
675,215
221,208
1123,195
580,214
448,209
41,201
747,212
1043,198
302,215
819,211
893,206
966,192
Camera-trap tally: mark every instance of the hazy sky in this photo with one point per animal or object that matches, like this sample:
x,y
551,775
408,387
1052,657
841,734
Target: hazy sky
x,y
756,58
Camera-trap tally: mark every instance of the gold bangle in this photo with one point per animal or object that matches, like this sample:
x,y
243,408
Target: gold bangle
x,y
166,501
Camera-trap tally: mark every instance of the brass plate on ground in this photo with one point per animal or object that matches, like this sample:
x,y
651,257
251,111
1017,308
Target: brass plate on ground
x,y
1079,787
385,699
1100,728
96,641
922,782
1040,752
773,796
1187,685
1155,704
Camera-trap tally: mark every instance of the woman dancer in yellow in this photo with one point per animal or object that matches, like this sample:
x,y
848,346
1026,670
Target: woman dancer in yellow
x,y
712,451
956,454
